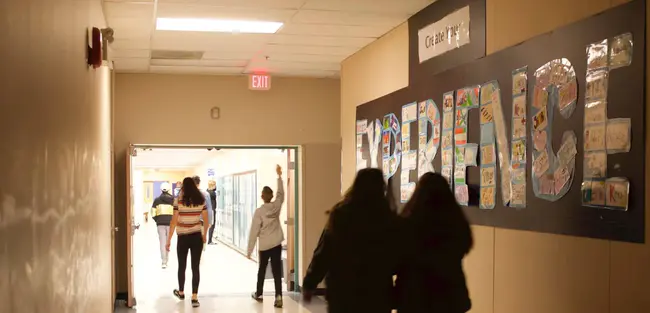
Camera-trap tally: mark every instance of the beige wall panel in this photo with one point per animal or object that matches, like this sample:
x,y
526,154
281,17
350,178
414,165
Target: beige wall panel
x,y
479,270
510,22
55,187
321,191
540,273
376,70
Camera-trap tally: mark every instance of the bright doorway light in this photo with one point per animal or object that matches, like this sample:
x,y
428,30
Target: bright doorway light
x,y
213,25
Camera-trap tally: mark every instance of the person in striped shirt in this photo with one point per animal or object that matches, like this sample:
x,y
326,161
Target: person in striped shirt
x,y
189,208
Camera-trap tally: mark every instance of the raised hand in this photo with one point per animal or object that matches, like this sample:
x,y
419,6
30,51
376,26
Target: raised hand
x,y
278,169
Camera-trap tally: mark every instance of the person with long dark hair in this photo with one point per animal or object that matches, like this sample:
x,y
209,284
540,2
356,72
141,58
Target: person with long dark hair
x,y
189,207
355,254
437,236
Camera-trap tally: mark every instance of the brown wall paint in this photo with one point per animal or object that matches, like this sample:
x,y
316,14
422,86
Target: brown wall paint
x,y
55,220
175,109
513,271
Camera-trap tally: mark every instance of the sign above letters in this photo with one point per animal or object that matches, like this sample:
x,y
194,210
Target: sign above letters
x,y
449,33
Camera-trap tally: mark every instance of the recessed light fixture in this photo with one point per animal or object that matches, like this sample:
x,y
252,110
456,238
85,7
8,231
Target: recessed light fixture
x,y
213,25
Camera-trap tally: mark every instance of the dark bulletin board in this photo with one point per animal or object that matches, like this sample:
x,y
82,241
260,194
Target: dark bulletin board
x,y
433,13
626,99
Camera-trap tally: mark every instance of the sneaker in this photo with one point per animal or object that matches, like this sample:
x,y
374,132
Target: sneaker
x,y
164,265
278,302
195,303
257,297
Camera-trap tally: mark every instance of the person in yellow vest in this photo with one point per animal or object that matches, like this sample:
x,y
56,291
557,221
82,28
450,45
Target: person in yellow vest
x,y
162,211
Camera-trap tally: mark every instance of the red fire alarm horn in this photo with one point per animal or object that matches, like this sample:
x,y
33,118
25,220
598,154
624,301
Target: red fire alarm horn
x,y
95,48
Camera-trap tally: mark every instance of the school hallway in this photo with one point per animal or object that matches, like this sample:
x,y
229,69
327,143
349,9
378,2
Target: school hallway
x,y
227,280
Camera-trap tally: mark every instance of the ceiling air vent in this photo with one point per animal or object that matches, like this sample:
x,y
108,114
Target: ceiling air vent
x,y
176,55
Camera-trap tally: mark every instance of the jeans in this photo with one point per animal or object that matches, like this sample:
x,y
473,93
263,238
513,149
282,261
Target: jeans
x,y
163,234
275,254
211,233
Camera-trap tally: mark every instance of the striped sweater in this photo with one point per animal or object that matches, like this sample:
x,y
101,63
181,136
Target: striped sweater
x,y
189,217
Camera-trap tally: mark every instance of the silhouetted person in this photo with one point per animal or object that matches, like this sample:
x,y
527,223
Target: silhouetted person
x,y
437,236
266,227
189,207
212,191
355,254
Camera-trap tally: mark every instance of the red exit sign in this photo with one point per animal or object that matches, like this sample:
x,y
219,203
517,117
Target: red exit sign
x,y
259,82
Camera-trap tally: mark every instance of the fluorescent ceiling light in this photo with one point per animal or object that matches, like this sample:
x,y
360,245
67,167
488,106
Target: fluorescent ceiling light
x,y
212,25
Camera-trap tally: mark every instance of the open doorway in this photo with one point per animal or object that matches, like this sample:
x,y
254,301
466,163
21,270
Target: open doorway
x,y
237,176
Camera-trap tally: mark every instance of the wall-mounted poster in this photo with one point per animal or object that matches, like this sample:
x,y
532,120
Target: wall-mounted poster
x,y
532,137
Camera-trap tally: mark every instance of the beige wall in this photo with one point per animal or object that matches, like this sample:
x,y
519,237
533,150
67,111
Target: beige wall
x,y
175,109
514,271
55,185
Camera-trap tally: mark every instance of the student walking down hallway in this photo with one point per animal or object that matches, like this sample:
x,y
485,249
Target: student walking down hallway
x,y
189,207
266,226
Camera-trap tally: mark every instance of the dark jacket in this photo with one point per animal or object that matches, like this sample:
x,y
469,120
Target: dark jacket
x,y
213,199
162,209
355,255
430,277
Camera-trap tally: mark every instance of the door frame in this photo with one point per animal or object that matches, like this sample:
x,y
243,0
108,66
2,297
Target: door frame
x,y
295,149
130,220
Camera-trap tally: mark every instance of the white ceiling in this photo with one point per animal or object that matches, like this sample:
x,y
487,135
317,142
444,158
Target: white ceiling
x,y
161,158
317,34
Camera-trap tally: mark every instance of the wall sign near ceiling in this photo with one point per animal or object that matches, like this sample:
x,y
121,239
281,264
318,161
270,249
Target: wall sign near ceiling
x,y
448,33
259,82
445,34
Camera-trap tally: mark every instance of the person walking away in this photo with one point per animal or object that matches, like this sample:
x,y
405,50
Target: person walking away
x,y
438,236
355,254
177,190
212,191
189,207
162,211
208,202
266,226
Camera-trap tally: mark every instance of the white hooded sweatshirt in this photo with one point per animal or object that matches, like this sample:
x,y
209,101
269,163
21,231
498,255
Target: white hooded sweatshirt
x,y
266,223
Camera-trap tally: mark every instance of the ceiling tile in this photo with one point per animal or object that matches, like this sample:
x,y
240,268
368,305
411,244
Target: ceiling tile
x,y
105,1
238,13
131,65
324,50
298,40
139,10
348,18
300,73
207,63
229,55
369,6
131,43
119,54
196,70
281,65
334,30
199,41
268,4
130,27
291,57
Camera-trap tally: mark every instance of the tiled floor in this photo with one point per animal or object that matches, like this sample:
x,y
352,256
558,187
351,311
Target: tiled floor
x,y
227,279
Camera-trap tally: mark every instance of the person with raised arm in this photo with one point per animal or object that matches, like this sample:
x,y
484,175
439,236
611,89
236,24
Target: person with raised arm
x,y
266,227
